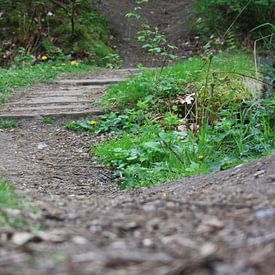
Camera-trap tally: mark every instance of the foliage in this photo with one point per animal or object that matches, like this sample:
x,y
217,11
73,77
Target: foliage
x,y
70,27
48,120
8,123
156,43
112,122
195,117
151,38
19,76
216,16
213,81
8,199
153,155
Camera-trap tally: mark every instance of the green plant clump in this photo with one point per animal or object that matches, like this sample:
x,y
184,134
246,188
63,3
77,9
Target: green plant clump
x,y
8,200
8,123
191,118
54,28
160,88
155,154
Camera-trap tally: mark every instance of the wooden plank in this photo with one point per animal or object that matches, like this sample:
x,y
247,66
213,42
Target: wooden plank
x,y
70,114
89,82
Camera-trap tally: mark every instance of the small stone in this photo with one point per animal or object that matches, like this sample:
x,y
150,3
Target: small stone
x,y
130,226
79,240
211,224
207,250
270,179
149,208
148,243
42,145
13,212
265,213
22,238
259,173
55,236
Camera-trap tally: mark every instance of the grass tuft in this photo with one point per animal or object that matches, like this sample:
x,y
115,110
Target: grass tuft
x,y
8,123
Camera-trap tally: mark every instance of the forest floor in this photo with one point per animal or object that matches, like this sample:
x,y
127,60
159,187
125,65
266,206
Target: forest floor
x,y
220,223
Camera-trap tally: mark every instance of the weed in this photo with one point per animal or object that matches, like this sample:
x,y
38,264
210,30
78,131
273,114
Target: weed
x,y
48,120
8,123
11,206
8,200
153,155
213,82
197,117
112,122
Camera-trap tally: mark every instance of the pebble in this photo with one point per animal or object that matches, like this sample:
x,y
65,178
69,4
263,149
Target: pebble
x,y
265,213
259,173
148,243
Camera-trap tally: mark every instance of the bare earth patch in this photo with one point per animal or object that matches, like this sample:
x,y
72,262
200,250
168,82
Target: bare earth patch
x,y
207,224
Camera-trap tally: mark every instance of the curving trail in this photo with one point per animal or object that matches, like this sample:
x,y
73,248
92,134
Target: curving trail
x,y
205,224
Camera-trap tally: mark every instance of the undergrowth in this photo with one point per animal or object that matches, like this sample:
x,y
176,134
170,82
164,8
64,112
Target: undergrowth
x,y
176,79
191,118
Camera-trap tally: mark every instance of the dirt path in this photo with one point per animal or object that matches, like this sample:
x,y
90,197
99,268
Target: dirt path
x,y
74,97
208,224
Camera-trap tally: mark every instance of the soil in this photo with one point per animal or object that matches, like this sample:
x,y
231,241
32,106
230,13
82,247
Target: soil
x,y
78,221
220,223
174,18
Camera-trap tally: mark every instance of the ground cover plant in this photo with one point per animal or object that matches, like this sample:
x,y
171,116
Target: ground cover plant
x,y
190,118
8,123
9,200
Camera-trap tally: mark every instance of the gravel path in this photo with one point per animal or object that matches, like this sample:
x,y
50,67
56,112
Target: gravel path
x,y
221,223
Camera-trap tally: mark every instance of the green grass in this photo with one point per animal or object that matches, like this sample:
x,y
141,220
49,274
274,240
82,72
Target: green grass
x,y
9,200
175,79
151,157
230,125
154,155
8,197
8,123
17,77
48,120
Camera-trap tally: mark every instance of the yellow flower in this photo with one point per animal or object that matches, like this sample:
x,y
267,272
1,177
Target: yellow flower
x,y
63,64
44,57
74,62
200,157
93,122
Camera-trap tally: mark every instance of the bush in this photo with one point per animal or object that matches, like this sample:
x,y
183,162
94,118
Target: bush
x,y
217,15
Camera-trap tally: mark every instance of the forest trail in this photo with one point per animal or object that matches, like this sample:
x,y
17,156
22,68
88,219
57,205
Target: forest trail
x,y
220,223
64,98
